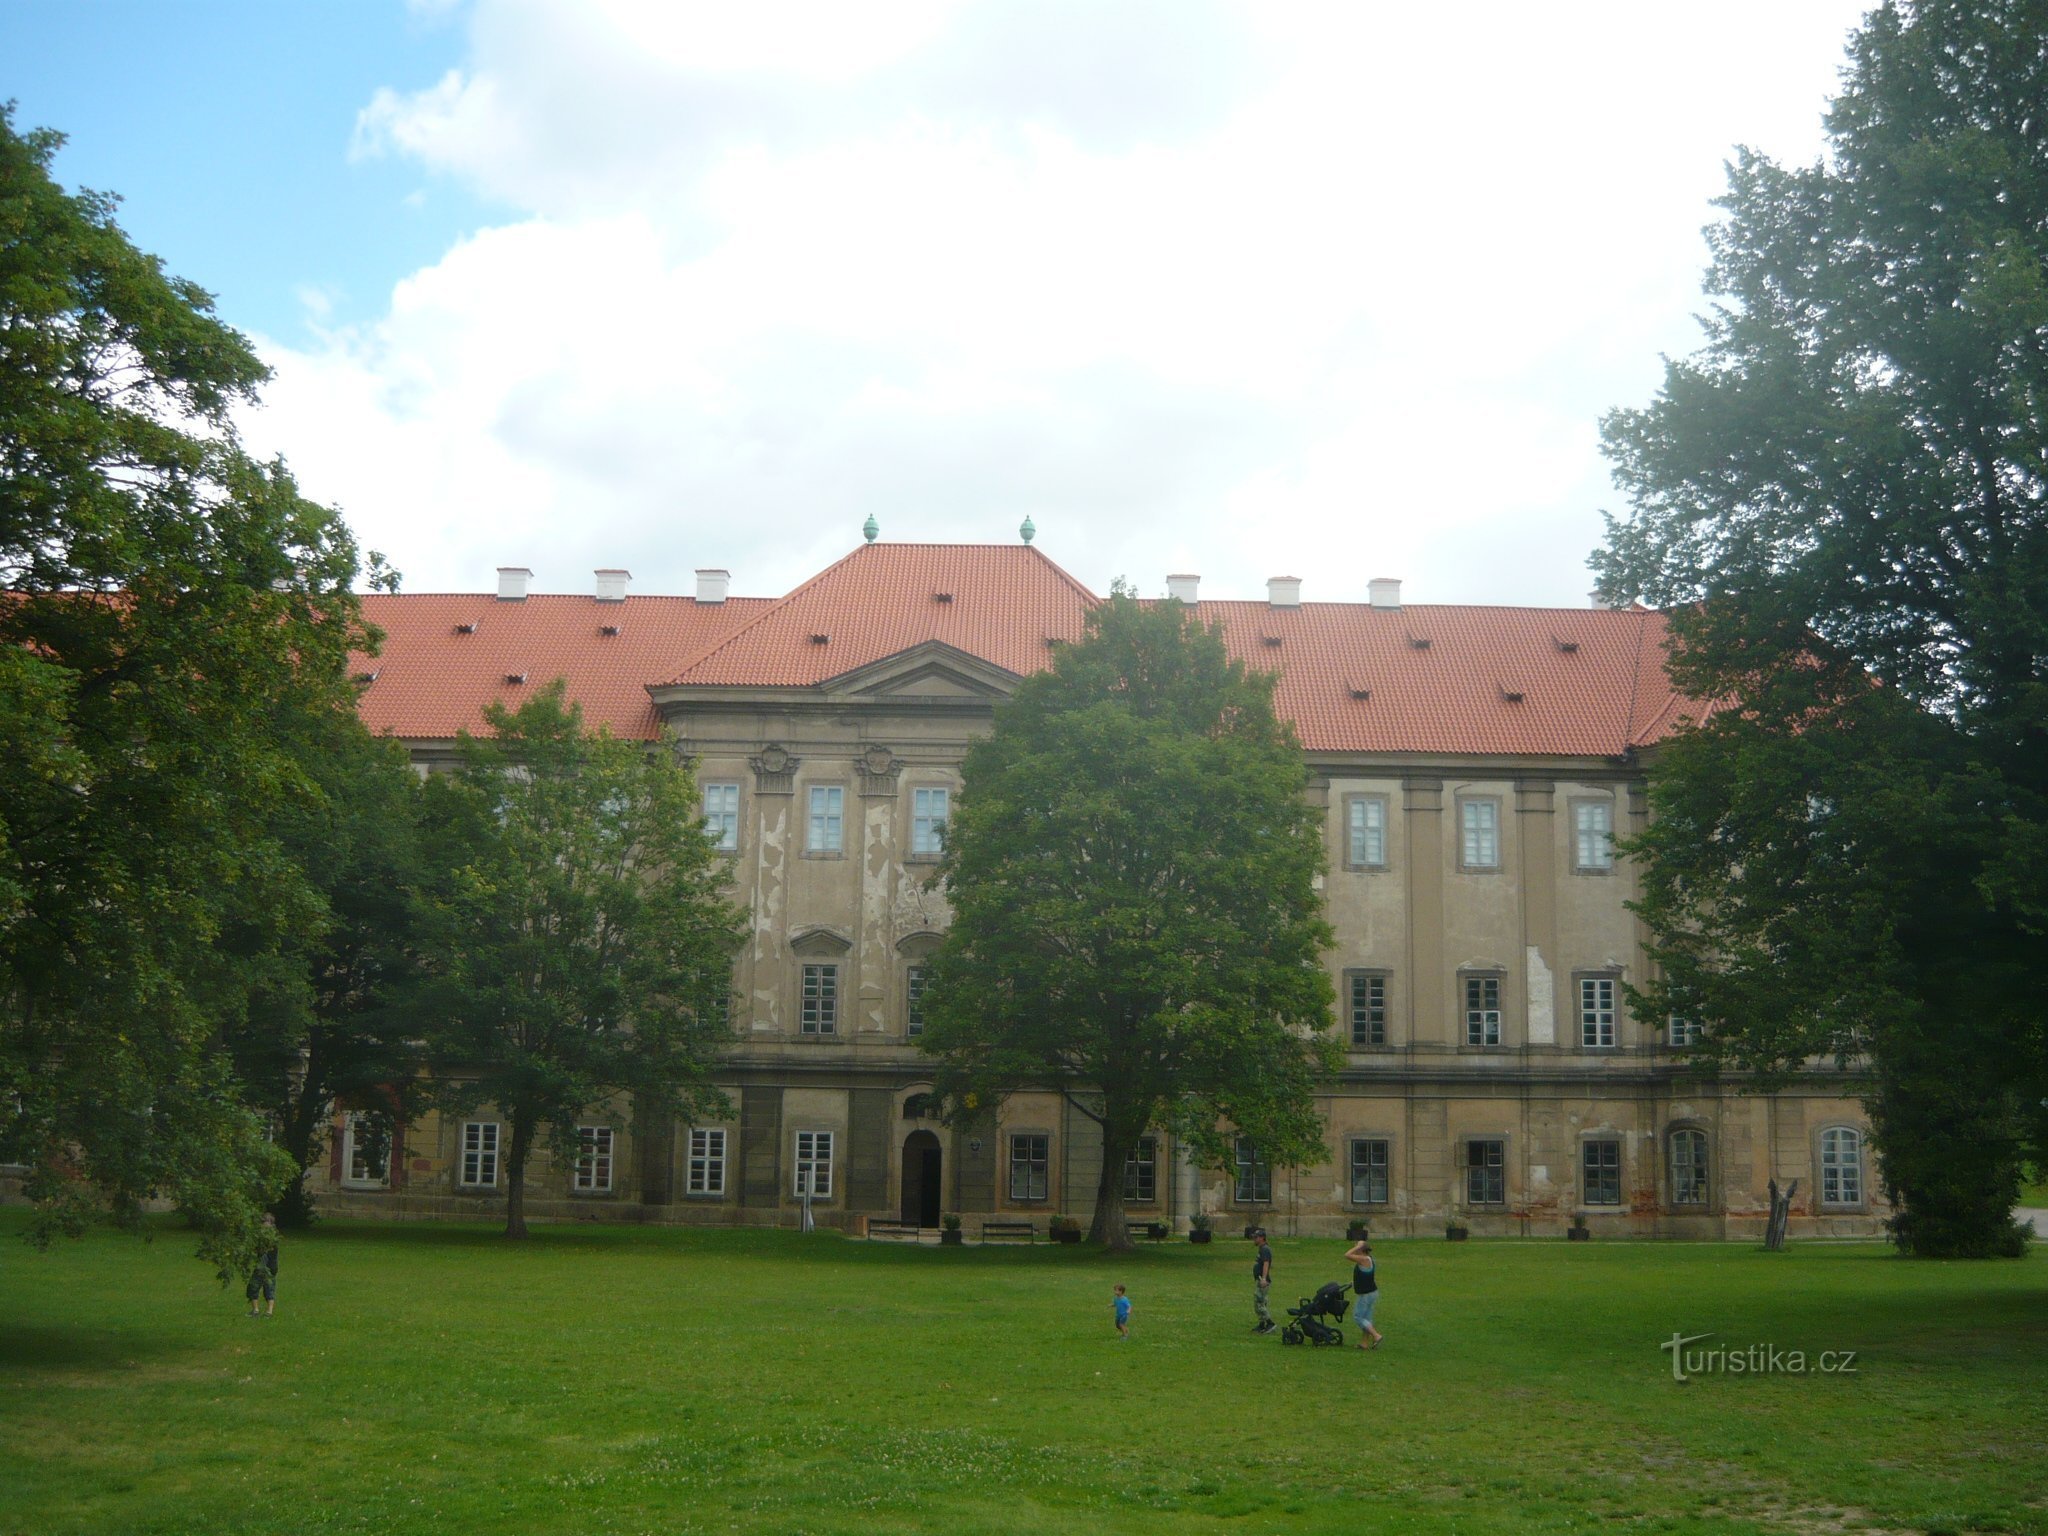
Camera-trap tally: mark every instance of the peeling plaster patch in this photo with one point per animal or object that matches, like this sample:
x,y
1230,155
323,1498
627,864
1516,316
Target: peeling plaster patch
x,y
1542,1001
1539,1176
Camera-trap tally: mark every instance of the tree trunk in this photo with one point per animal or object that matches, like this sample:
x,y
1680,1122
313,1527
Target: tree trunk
x,y
1109,1227
300,1124
1781,1215
515,1176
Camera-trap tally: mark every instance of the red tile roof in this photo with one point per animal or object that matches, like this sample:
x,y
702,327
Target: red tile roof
x,y
1577,682
433,680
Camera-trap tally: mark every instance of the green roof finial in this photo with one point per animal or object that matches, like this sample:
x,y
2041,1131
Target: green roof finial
x,y
870,528
1029,530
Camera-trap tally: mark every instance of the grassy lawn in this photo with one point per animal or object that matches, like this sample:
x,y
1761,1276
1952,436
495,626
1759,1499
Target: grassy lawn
x,y
622,1380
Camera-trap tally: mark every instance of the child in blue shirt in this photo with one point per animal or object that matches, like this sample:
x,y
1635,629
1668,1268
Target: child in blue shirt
x,y
1123,1314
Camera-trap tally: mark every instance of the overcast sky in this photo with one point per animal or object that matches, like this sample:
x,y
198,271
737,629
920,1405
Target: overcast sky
x,y
1335,291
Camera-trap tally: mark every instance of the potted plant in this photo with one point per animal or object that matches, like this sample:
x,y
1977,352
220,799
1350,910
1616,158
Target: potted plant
x,y
1066,1229
1357,1232
1578,1231
1456,1230
1198,1227
949,1231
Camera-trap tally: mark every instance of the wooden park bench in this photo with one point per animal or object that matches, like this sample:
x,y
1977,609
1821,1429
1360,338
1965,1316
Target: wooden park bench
x,y
895,1230
991,1230
1151,1231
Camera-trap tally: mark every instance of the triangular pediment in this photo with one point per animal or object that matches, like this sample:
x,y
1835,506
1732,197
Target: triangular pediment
x,y
930,673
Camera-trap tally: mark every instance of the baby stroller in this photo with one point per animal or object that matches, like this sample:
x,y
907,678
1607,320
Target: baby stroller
x,y
1308,1326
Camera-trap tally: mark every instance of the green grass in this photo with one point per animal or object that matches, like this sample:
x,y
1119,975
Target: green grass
x,y
621,1380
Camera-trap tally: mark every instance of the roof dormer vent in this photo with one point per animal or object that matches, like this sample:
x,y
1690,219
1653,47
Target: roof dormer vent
x,y
1569,647
1360,691
1418,642
366,677
512,580
1270,639
942,597
1511,694
820,639
515,677
608,629
466,628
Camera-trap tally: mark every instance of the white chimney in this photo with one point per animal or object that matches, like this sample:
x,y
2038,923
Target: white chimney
x,y
512,580
1284,591
1184,588
1386,592
611,586
1594,599
712,585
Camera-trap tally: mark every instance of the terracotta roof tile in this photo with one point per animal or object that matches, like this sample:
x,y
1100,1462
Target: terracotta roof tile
x,y
432,679
1579,682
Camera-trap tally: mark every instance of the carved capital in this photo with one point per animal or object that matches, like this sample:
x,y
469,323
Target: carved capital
x,y
774,771
879,769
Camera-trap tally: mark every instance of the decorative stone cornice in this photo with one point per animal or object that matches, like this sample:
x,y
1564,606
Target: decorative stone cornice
x,y
879,768
774,771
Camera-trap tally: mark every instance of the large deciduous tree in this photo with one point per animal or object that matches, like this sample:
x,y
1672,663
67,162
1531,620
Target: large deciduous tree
x,y
1842,497
165,601
577,940
1133,873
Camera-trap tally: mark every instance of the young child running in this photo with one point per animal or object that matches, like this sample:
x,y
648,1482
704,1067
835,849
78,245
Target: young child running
x,y
1123,1314
1365,1283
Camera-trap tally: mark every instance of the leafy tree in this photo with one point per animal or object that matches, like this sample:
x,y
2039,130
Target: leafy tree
x,y
164,601
576,938
1132,869
1842,496
325,1019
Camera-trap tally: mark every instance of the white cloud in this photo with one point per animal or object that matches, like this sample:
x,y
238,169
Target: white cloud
x,y
1338,289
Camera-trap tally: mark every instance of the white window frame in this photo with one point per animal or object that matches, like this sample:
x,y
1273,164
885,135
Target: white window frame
x,y
1608,1198
1683,1032
1254,1185
1592,837
1841,1167
1483,1020
1492,1170
480,1145
596,1147
1479,833
1599,1013
704,1173
1690,1184
350,1179
813,1156
1141,1167
913,1001
930,808
1030,1153
1382,1170
826,832
1365,831
722,815
818,1006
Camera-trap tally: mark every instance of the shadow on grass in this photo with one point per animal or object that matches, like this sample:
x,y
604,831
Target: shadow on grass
x,y
58,1348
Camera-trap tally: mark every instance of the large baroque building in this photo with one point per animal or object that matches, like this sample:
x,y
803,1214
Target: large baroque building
x,y
1473,766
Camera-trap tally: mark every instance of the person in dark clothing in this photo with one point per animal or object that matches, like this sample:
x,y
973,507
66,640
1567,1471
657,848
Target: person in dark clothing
x,y
1262,1281
1365,1284
263,1276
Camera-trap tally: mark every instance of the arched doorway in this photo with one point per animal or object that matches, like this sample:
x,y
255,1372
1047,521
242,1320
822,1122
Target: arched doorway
x,y
921,1185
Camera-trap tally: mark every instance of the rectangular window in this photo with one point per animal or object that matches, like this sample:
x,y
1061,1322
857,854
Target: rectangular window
x,y
707,1163
1688,1167
368,1159
1141,1172
1596,1012
480,1154
1254,1175
927,821
828,809
1841,1167
913,1001
1486,1178
1479,834
1030,1167
814,1164
820,1000
1365,832
1482,1010
1602,1163
1592,836
722,816
1368,1173
1368,1008
1684,1032
593,1160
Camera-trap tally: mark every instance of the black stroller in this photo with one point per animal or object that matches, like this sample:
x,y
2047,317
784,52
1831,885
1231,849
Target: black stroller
x,y
1308,1326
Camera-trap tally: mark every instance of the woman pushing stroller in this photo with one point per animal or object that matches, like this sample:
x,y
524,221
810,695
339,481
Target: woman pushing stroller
x,y
1366,1286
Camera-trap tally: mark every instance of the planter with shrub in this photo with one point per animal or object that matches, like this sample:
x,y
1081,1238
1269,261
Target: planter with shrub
x,y
1065,1229
1457,1231
1198,1227
949,1231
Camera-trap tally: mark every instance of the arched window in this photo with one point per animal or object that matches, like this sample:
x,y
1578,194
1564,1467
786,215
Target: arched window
x,y
917,1107
1688,1167
1841,1166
